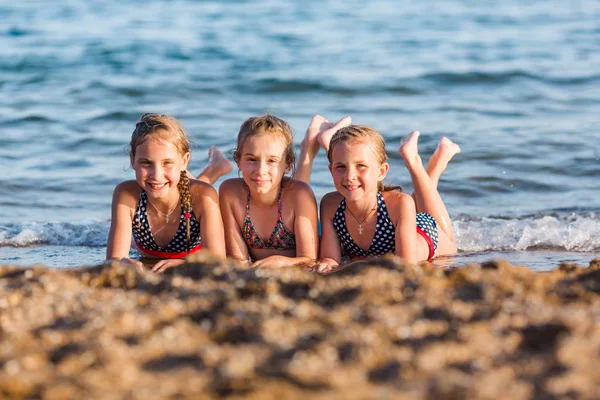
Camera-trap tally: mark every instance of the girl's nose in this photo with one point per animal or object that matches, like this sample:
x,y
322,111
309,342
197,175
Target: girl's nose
x,y
157,172
262,167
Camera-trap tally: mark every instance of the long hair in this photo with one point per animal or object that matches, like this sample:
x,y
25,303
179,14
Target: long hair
x,y
163,127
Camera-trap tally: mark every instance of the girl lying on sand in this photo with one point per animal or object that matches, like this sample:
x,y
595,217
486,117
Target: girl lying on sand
x,y
270,218
169,214
365,218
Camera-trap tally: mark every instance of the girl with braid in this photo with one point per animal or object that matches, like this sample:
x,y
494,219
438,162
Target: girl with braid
x,y
169,214
365,218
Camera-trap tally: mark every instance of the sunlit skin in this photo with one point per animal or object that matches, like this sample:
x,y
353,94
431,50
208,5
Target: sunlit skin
x,y
356,172
262,166
158,165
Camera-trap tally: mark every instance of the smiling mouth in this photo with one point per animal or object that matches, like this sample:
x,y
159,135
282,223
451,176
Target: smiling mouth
x,y
351,187
156,186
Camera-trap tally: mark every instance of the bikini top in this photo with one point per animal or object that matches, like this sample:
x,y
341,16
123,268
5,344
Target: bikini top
x,y
281,238
142,235
384,240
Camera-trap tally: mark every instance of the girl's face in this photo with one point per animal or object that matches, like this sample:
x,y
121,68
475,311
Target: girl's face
x,y
356,170
262,163
158,165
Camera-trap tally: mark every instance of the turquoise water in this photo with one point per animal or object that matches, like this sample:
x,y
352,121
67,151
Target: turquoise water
x,y
516,84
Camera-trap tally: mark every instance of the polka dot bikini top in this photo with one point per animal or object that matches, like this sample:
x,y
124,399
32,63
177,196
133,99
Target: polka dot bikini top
x,y
281,238
177,246
384,240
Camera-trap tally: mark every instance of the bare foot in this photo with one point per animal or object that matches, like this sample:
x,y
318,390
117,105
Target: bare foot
x,y
446,149
309,144
409,148
440,158
325,136
218,165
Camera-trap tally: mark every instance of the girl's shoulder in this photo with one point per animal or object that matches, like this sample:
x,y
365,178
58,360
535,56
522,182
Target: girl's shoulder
x,y
203,194
297,193
294,186
233,186
330,202
398,203
128,192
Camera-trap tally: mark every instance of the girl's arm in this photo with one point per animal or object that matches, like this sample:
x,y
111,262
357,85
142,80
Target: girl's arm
x,y
228,197
206,205
406,229
331,248
305,230
119,235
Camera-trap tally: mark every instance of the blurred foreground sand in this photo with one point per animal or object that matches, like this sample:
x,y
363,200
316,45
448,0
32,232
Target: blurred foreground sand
x,y
376,330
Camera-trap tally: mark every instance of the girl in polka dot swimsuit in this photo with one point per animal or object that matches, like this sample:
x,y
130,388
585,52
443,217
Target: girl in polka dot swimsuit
x,y
270,219
168,213
365,218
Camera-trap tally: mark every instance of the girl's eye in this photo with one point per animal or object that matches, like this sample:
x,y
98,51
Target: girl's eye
x,y
340,167
361,165
273,161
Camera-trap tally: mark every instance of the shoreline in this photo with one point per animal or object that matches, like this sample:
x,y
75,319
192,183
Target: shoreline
x,y
377,329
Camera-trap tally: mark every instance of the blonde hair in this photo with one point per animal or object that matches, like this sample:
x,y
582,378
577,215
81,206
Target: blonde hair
x,y
357,133
168,129
266,125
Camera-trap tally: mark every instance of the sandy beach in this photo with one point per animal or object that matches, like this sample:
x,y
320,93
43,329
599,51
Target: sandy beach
x,y
376,330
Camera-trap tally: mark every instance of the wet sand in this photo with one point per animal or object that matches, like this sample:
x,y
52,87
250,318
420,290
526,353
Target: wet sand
x,y
375,330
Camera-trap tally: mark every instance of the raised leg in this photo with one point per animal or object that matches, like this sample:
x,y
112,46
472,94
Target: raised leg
x,y
426,195
446,149
218,165
319,128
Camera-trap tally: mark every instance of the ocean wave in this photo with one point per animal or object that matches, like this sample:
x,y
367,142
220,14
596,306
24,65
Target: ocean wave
x,y
574,232
85,233
567,232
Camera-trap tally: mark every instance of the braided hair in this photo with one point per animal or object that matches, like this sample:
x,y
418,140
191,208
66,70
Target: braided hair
x,y
375,142
164,127
185,200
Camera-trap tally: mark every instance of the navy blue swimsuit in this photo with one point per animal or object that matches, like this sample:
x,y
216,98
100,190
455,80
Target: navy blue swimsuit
x,y
384,240
177,246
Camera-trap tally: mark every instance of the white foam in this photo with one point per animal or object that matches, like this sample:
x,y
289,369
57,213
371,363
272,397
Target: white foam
x,y
572,232
568,232
89,233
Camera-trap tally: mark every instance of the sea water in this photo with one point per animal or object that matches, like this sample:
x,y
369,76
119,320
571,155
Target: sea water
x,y
516,84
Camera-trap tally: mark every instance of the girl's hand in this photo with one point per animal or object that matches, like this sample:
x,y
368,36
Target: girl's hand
x,y
322,268
272,262
163,265
127,261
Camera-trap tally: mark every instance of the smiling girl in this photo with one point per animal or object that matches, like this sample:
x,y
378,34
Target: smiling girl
x,y
168,214
365,218
270,219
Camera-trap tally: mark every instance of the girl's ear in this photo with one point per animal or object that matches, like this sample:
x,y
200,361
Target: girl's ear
x,y
288,168
186,159
383,170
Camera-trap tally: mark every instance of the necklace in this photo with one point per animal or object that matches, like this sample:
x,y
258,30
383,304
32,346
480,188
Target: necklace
x,y
360,228
162,213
